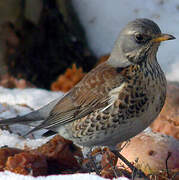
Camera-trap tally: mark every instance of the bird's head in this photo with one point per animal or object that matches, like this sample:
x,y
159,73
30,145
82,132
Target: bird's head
x,y
138,40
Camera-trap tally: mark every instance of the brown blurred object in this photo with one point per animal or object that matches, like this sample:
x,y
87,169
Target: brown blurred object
x,y
57,156
66,81
9,81
27,163
149,151
72,76
61,154
103,59
6,152
168,120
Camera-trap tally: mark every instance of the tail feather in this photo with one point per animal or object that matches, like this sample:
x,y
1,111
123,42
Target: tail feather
x,y
33,117
26,119
15,120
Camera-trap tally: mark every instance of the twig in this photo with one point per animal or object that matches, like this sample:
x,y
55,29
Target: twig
x,y
166,163
176,174
111,164
94,165
125,144
133,168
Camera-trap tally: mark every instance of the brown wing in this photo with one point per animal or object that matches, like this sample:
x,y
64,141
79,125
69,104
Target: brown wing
x,y
90,94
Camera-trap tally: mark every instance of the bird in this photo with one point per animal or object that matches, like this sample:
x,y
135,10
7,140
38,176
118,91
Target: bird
x,y
114,101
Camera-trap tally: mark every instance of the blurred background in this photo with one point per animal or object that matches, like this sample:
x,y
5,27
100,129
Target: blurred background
x,y
52,44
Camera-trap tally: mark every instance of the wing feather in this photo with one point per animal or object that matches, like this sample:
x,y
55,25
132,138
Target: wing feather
x,y
92,93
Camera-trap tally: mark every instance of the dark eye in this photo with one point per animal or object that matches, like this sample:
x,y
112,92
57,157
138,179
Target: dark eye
x,y
139,38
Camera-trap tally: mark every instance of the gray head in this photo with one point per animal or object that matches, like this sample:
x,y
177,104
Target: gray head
x,y
139,39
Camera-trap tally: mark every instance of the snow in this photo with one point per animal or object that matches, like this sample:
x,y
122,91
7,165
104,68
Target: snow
x,y
13,140
103,20
15,99
34,98
173,75
11,176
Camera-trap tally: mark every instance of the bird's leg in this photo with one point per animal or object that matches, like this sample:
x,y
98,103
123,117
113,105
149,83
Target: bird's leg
x,y
122,146
94,164
87,153
133,168
113,167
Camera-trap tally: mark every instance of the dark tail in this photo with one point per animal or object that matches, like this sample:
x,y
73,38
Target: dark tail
x,y
26,119
34,116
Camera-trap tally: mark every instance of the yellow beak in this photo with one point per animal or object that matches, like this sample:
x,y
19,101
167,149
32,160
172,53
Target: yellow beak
x,y
163,37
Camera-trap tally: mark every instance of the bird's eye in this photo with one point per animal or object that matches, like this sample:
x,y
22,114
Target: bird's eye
x,y
139,38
